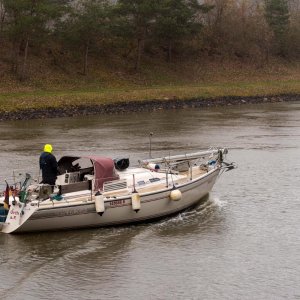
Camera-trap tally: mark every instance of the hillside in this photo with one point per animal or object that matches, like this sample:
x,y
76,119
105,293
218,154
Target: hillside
x,y
57,54
112,80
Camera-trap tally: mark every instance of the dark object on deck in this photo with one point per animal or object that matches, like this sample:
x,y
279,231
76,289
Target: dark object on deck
x,y
121,163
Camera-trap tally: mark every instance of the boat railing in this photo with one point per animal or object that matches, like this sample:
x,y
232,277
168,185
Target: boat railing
x,y
17,177
174,165
182,157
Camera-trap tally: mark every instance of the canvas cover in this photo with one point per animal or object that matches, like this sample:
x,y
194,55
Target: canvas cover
x,y
104,169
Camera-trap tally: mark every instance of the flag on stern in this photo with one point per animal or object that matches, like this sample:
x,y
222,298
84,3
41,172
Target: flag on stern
x,y
6,199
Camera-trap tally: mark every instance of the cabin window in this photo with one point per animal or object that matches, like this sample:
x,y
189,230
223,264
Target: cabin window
x,y
154,179
141,182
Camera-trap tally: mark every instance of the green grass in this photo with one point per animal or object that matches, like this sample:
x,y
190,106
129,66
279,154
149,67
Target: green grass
x,y
13,101
114,81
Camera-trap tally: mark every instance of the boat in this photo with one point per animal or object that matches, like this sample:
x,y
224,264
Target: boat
x,y
96,191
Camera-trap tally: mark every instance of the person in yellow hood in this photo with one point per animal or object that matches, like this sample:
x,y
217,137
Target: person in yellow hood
x,y
48,165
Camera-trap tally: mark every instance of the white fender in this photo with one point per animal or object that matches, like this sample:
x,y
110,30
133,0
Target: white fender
x,y
136,201
99,203
175,195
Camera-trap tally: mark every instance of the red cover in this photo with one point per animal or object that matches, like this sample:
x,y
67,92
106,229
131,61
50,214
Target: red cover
x,y
104,170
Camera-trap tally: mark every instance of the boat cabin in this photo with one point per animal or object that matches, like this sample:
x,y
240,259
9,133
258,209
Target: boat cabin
x,y
84,173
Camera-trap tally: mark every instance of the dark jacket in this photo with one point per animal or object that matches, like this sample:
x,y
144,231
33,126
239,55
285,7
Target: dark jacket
x,y
48,165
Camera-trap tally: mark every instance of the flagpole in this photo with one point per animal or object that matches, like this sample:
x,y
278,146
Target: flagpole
x,y
6,199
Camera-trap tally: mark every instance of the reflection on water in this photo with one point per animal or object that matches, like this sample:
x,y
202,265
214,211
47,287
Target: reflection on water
x,y
242,240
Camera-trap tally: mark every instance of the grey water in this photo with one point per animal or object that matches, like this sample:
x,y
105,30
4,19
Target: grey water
x,y
241,242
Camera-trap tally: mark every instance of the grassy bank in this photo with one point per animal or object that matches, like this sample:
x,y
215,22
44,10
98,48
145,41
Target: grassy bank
x,y
155,82
59,98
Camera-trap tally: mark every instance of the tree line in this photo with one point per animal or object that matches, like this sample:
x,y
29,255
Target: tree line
x,y
255,29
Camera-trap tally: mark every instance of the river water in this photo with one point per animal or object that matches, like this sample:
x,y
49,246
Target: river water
x,y
241,242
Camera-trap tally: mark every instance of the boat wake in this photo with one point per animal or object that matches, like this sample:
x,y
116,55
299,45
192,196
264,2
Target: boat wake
x,y
202,213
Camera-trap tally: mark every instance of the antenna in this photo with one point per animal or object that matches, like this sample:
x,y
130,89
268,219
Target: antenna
x,y
150,144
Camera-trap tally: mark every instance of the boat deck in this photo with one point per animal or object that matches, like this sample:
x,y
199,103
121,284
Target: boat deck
x,y
157,186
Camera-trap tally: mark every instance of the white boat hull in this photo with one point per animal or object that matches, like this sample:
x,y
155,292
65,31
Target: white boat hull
x,y
119,210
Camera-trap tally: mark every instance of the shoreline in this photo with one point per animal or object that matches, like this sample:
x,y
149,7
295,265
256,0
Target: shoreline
x,y
138,106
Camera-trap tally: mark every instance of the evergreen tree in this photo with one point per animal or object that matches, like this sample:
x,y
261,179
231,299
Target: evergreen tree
x,y
28,21
2,16
136,20
277,16
86,26
178,19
